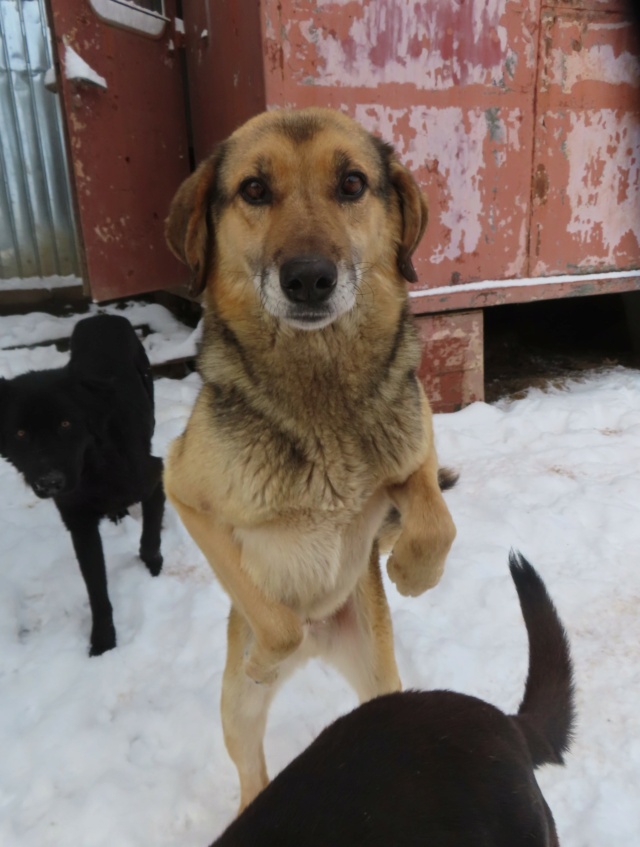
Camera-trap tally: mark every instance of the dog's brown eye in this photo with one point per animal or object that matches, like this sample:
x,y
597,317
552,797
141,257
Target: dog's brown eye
x,y
353,185
254,191
20,433
65,424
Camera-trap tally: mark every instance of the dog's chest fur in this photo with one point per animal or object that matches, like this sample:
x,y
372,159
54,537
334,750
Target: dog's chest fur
x,y
306,432
314,423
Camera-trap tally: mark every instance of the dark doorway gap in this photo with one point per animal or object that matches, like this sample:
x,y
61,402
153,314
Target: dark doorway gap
x,y
551,341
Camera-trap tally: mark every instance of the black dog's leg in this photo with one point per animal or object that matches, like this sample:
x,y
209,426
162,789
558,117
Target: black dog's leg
x,y
85,536
152,511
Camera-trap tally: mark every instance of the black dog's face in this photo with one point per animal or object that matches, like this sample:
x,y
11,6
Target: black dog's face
x,y
43,433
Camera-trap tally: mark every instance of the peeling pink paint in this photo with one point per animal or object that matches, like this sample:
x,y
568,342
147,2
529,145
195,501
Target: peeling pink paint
x,y
428,45
612,63
587,145
447,148
456,140
603,209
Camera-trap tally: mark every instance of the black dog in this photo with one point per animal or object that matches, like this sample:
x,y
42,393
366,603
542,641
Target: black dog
x,y
430,768
82,436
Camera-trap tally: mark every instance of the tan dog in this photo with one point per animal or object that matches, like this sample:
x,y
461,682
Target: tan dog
x,y
311,431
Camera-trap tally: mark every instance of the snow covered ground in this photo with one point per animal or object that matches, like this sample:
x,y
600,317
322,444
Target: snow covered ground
x,y
126,750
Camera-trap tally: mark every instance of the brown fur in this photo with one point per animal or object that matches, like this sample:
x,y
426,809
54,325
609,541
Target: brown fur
x,y
311,425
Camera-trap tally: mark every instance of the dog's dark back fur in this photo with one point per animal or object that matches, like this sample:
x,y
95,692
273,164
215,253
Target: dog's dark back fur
x,y
81,435
430,768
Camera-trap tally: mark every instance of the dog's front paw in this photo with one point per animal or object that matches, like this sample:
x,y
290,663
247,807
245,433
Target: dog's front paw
x,y
418,557
411,578
416,564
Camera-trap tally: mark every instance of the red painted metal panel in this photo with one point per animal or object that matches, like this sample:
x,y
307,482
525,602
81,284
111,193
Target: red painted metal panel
x,y
458,297
586,174
451,85
592,5
223,42
128,148
452,366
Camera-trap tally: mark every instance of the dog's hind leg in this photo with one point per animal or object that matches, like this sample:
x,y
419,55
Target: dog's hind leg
x,y
277,630
152,512
359,639
244,707
87,544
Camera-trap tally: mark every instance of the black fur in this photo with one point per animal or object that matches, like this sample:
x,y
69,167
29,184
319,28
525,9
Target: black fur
x,y
82,436
430,768
447,478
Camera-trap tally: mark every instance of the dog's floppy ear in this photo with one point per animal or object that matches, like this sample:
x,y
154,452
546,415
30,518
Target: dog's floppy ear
x,y
187,228
415,213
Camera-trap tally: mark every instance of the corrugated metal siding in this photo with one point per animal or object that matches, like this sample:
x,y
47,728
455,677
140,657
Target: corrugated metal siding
x,y
37,234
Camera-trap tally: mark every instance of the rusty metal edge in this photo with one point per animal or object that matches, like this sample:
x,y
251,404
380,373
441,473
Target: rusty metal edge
x,y
425,302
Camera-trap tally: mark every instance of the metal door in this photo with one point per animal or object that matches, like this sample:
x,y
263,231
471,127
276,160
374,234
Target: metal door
x,y
586,167
224,48
121,88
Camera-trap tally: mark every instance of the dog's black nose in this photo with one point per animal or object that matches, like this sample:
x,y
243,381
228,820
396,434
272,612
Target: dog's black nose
x,y
308,279
49,484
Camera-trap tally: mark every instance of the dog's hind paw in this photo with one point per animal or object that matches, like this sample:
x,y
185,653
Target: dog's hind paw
x,y
153,562
102,642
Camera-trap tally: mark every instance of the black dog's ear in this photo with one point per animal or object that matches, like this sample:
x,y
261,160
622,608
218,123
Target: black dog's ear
x,y
415,214
93,384
189,228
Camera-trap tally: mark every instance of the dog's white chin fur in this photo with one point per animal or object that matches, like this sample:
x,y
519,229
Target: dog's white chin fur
x,y
309,325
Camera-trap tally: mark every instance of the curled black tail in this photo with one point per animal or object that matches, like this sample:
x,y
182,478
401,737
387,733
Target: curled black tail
x,y
547,712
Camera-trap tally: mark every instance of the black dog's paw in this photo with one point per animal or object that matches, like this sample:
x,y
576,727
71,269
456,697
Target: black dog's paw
x,y
101,642
153,561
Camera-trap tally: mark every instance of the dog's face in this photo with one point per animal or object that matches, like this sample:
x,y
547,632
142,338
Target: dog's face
x,y
43,433
293,214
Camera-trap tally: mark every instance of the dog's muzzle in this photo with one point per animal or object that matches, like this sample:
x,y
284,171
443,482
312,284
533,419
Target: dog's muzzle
x,y
308,280
49,484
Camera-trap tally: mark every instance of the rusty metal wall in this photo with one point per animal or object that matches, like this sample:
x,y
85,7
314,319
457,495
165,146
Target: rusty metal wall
x,y
127,137
37,234
224,53
452,86
586,169
520,118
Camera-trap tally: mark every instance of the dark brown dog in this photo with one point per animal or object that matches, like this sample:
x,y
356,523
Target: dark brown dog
x,y
430,769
